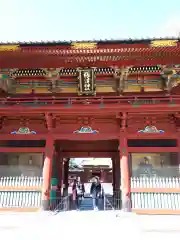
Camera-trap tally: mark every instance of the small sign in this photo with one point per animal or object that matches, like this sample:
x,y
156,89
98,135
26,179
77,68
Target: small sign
x,y
83,45
23,130
164,43
150,129
86,130
86,81
6,48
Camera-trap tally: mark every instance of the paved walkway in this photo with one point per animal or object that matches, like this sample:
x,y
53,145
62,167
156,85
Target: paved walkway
x,y
103,224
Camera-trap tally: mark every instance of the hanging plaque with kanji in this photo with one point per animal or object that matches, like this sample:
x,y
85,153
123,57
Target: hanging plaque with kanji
x,y
86,82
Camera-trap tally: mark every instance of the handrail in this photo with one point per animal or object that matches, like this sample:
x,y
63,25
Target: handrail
x,y
88,97
57,209
105,199
108,202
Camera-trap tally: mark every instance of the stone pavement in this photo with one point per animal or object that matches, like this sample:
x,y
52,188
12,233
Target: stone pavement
x,y
104,225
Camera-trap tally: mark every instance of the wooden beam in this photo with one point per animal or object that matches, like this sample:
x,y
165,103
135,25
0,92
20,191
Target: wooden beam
x,y
16,137
165,135
71,136
89,154
155,190
95,108
21,188
43,61
22,149
152,149
17,209
157,211
86,136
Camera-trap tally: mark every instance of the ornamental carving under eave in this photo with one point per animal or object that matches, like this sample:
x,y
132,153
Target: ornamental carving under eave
x,y
171,77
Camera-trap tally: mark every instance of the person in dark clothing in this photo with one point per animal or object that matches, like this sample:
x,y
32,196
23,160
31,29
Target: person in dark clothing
x,y
78,191
95,192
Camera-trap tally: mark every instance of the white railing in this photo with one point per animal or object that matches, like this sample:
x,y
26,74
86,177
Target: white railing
x,y
21,181
136,182
167,201
155,182
32,198
20,199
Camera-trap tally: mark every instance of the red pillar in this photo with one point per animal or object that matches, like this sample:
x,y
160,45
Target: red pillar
x,y
66,176
103,176
178,143
117,175
114,174
125,178
59,162
47,173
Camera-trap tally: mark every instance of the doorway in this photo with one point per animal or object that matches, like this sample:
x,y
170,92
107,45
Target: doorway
x,y
88,159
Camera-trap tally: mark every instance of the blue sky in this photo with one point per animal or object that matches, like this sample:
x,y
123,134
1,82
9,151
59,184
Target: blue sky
x,y
31,20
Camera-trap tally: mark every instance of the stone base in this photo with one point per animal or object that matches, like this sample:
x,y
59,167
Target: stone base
x,y
45,205
126,205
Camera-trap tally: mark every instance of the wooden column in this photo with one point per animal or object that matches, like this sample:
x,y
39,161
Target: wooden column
x,y
103,175
65,177
59,161
47,173
125,178
178,144
116,183
124,165
113,174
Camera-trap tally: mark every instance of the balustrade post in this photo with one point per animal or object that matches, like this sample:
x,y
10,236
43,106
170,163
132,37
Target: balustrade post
x,y
47,173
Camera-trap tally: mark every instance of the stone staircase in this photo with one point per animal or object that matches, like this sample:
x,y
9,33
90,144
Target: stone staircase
x,y
87,204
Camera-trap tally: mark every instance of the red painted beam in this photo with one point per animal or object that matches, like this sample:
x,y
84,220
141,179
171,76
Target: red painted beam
x,y
22,149
16,137
152,149
86,137
89,154
85,109
56,62
70,136
153,135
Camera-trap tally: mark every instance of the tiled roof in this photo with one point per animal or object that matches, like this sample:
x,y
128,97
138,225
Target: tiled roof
x,y
100,41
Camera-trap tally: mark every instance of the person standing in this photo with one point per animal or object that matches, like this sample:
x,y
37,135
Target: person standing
x,y
95,192
78,191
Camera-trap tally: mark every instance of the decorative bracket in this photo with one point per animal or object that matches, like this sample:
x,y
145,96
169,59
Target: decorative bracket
x,y
123,125
167,75
122,75
49,121
5,79
53,75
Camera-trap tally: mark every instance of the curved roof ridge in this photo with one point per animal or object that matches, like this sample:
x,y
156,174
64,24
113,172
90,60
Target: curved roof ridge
x,y
64,42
